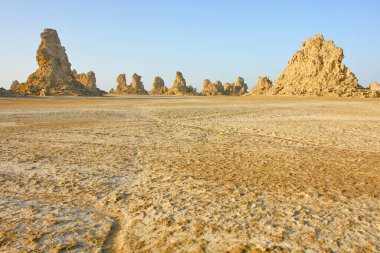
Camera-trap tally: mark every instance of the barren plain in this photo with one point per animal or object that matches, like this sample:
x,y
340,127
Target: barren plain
x,y
189,174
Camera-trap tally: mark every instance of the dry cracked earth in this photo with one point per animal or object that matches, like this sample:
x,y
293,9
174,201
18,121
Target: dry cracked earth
x,y
191,174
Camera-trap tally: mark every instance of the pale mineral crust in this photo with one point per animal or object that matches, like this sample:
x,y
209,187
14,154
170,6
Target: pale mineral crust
x,y
159,87
263,86
252,174
317,70
54,75
212,89
179,87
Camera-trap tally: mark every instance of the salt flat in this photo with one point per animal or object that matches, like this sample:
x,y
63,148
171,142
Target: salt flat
x,y
189,174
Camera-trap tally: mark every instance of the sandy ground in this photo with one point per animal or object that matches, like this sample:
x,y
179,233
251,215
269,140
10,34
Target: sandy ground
x,y
224,174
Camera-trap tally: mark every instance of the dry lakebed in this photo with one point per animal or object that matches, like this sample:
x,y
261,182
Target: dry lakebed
x,y
189,174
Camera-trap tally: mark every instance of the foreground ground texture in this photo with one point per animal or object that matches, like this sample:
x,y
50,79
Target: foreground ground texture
x,y
139,174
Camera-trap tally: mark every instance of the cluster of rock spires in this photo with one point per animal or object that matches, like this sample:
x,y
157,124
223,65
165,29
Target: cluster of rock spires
x,y
316,70
135,88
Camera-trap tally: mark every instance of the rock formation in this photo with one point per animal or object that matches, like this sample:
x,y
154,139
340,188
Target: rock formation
x,y
236,89
192,91
87,80
212,89
5,92
54,74
179,87
240,87
122,86
374,86
159,87
135,88
263,86
228,88
14,85
317,69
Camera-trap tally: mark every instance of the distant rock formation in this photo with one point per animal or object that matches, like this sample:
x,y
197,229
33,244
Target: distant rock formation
x,y
212,89
135,88
317,69
54,75
179,87
228,88
240,87
236,89
87,80
159,87
5,92
263,86
15,83
374,86
122,86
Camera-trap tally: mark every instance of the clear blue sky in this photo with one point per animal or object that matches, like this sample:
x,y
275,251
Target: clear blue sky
x,y
202,38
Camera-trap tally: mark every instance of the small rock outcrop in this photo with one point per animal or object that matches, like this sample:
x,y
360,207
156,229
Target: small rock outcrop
x,y
54,75
240,87
263,86
5,93
159,87
212,89
135,88
122,86
14,85
228,88
317,69
179,87
236,89
87,80
374,86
